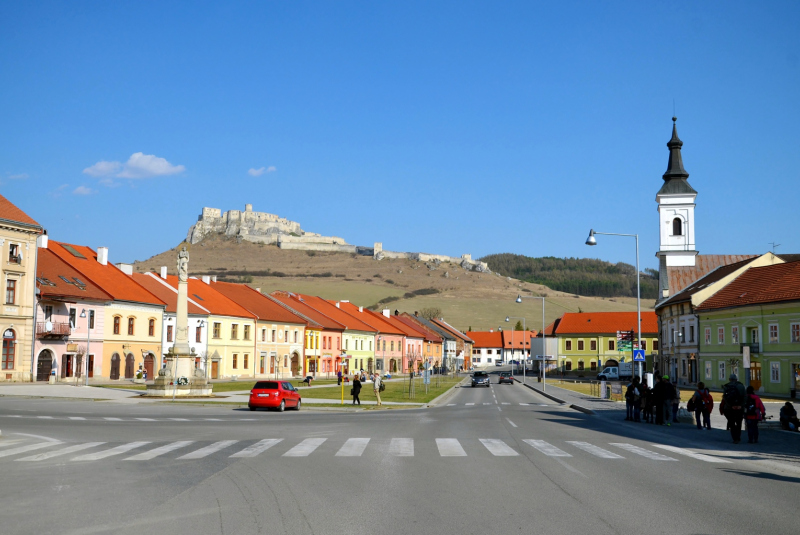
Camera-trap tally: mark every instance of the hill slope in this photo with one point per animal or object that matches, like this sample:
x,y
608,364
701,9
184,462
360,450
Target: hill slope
x,y
467,299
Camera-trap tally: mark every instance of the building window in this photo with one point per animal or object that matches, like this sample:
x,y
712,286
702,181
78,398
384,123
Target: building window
x,y
73,318
795,332
593,366
338,344
263,335
655,345
643,344
198,334
217,330
246,359
720,335
773,334
11,291
235,361
580,345
130,326
91,319
593,345
391,346
234,331
285,360
677,227
580,365
169,333
611,345
246,334
708,369
568,366
116,324
151,327
274,335
13,254
775,372
722,371
286,336
568,345
691,333
9,348
295,337
708,336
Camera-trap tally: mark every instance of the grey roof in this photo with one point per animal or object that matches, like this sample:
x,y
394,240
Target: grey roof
x,y
675,179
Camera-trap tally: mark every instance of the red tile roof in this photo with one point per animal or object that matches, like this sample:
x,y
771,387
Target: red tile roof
x,y
759,285
259,304
210,299
10,212
296,302
166,292
49,270
371,318
681,277
108,277
606,322
408,330
710,278
411,321
518,338
336,314
486,339
452,330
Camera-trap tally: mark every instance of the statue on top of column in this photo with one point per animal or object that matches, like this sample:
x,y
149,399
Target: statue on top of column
x,y
183,264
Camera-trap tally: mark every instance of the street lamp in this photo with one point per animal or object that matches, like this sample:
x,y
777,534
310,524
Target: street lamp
x,y
544,339
524,333
592,241
88,341
379,368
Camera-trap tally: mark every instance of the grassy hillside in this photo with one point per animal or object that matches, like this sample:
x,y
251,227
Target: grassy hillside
x,y
467,299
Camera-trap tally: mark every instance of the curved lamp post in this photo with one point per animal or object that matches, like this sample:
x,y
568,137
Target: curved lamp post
x,y
509,318
544,338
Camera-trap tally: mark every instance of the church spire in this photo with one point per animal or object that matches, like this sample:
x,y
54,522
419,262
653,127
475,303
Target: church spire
x,y
675,177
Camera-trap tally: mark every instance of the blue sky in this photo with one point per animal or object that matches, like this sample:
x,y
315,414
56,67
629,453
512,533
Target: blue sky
x,y
445,127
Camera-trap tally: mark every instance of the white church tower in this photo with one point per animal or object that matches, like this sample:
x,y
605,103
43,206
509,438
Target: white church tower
x,y
676,202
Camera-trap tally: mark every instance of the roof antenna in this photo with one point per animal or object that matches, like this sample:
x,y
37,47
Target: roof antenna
x,y
673,107
774,245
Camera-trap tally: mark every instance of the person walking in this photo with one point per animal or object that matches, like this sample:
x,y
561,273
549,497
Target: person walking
x,y
708,406
339,378
631,398
356,390
698,402
647,404
753,412
376,387
676,401
732,406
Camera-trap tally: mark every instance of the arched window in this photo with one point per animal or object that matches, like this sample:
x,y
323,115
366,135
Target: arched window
x,y
117,319
130,325
9,343
677,227
151,327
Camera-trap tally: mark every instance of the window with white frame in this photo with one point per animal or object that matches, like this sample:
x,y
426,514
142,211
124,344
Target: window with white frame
x,y
691,333
773,333
708,335
721,371
734,334
708,370
720,335
775,372
795,328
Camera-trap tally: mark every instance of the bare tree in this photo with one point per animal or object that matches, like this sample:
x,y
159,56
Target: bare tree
x,y
430,313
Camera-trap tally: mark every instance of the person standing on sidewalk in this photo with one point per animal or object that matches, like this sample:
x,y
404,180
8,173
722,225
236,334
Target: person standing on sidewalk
x,y
632,399
376,382
339,378
356,390
698,400
732,406
753,412
676,400
662,397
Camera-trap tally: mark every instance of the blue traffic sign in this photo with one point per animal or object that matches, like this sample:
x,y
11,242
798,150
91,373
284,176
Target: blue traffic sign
x,y
638,355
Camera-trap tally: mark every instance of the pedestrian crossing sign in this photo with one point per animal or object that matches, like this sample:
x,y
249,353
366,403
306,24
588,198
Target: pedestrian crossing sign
x,y
638,355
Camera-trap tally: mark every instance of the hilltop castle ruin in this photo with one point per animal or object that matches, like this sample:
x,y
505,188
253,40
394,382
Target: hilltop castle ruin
x,y
261,227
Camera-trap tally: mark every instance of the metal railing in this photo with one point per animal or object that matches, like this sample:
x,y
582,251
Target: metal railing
x,y
52,329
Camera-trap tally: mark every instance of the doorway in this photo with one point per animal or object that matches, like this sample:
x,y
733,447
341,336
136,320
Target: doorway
x,y
148,365
44,366
215,369
129,366
66,366
114,374
295,365
755,375
272,364
262,364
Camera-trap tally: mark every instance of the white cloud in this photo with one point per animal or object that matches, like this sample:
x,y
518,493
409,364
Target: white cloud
x,y
139,165
102,168
82,190
18,176
260,171
59,190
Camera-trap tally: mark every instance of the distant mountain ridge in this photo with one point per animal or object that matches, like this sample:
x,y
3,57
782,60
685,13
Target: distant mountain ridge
x,y
581,276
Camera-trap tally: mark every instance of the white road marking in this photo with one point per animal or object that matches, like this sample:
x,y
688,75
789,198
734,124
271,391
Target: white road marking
x,y
147,455
70,449
498,448
109,453
512,423
450,447
208,450
305,448
505,403
77,418
15,416
487,403
693,455
29,447
258,447
524,404
146,419
45,417
212,419
178,419
547,448
643,452
451,404
468,404
113,419
401,447
595,450
354,447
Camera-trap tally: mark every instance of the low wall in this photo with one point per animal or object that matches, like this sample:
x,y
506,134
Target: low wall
x,y
328,247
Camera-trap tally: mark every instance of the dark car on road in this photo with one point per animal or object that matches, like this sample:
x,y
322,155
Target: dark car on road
x,y
505,377
480,379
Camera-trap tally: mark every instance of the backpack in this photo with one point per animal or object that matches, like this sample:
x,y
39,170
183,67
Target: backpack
x,y
750,408
690,405
708,401
382,387
731,395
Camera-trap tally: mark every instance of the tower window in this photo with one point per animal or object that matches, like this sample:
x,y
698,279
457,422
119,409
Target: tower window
x,y
677,227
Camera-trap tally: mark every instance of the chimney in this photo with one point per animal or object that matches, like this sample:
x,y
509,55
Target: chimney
x,y
386,312
361,309
164,272
207,279
125,268
416,313
41,241
257,289
213,278
337,304
102,255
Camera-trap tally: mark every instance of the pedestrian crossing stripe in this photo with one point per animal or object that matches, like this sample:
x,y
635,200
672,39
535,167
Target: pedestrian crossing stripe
x,y
693,455
643,452
595,450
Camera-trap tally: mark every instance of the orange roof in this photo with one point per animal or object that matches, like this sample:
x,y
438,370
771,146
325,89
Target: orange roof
x,y
413,322
679,277
767,284
518,338
210,299
486,339
10,212
336,314
452,330
371,318
109,277
296,302
49,272
259,304
408,330
606,322
166,292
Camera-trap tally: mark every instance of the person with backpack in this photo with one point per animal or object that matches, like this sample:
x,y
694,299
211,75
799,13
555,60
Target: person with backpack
x,y
662,391
647,404
753,412
631,397
732,406
697,403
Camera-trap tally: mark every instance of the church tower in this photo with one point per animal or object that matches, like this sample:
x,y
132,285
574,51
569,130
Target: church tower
x,y
676,202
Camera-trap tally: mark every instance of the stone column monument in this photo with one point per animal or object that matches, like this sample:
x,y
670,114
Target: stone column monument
x,y
180,377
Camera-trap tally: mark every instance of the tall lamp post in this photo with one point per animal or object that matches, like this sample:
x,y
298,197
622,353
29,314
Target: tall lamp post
x,y
524,333
592,241
88,341
544,339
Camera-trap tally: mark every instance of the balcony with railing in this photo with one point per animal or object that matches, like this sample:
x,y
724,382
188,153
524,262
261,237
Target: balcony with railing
x,y
755,347
49,328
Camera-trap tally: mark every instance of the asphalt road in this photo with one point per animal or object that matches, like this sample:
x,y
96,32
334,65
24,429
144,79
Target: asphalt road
x,y
491,460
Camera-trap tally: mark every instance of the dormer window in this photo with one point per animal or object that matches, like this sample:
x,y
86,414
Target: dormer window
x,y
677,227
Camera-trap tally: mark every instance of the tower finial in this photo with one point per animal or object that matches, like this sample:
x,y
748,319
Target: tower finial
x,y
675,165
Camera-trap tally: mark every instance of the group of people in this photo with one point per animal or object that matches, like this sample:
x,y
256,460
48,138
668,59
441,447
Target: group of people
x,y
355,391
740,403
657,405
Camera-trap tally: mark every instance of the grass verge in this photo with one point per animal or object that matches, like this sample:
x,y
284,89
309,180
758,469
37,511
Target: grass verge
x,y
395,391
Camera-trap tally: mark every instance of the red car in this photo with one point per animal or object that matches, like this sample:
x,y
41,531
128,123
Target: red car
x,y
278,395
